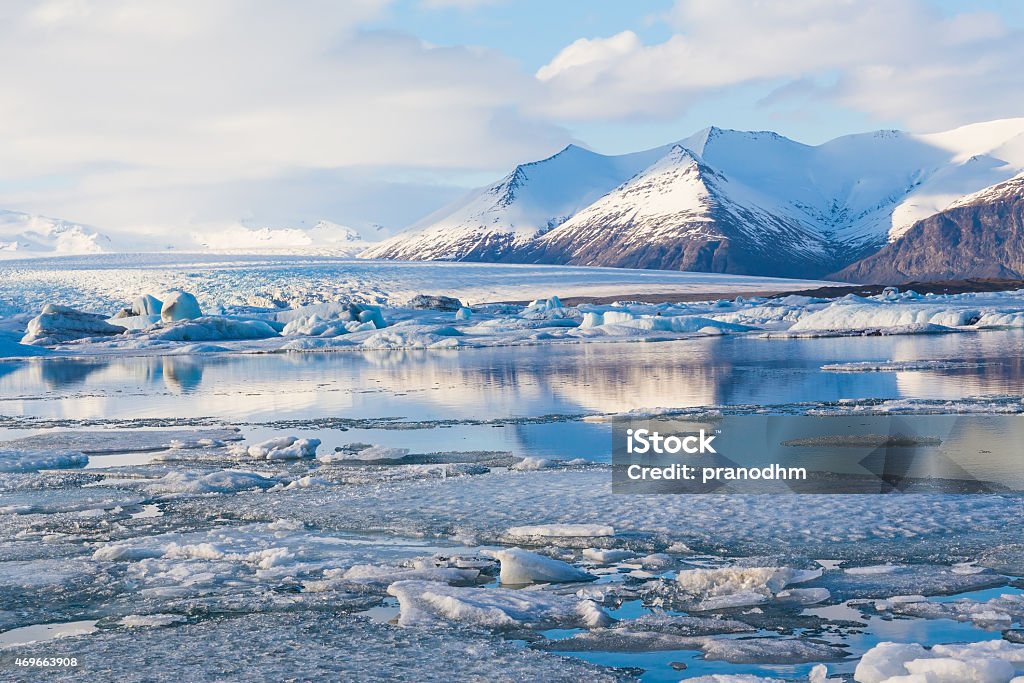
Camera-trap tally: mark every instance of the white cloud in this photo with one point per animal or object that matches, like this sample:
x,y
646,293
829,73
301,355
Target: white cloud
x,y
110,101
889,58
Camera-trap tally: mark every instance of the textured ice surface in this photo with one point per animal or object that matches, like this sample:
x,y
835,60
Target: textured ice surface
x,y
310,312
743,650
30,461
425,603
520,566
738,586
312,645
806,525
114,280
279,448
985,662
98,442
562,530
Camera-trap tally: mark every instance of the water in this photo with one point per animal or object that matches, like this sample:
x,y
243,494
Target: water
x,y
525,400
488,384
490,399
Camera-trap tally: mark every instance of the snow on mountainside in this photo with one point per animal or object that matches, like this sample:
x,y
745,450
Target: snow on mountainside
x,y
681,214
23,234
535,197
775,206
978,236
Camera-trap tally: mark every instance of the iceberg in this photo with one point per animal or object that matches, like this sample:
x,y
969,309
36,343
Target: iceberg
x,y
429,603
180,305
60,324
520,567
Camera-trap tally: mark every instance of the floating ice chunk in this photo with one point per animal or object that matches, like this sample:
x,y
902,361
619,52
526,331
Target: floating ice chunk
x,y
803,596
862,316
994,661
434,302
770,651
886,661
464,313
656,323
136,322
949,670
315,326
151,620
180,305
385,575
607,556
995,649
573,530
685,625
888,603
425,603
376,452
124,551
372,315
279,448
147,305
532,463
657,561
726,587
223,481
519,567
999,612
32,461
306,482
213,328
550,304
1001,319
60,324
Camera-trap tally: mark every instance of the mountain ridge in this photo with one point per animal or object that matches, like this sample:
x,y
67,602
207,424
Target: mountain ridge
x,y
781,207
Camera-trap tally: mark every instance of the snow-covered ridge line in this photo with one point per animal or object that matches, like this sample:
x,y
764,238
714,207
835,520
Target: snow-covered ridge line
x,y
762,195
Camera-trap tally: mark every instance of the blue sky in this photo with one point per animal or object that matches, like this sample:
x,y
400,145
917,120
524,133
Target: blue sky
x,y
160,118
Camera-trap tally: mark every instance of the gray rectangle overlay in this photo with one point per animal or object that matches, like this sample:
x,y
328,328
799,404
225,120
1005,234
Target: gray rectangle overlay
x,y
855,454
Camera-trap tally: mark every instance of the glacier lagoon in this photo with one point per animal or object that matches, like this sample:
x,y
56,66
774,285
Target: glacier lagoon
x,y
177,537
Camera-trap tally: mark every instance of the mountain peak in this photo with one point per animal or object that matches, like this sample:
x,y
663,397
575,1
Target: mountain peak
x,y
721,199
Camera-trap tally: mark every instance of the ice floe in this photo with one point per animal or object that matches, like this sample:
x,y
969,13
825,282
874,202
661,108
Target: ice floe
x,y
59,324
224,481
426,603
993,661
31,461
562,530
278,448
428,322
739,586
179,305
519,567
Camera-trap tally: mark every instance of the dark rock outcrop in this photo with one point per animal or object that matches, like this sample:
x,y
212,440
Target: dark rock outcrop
x,y
979,237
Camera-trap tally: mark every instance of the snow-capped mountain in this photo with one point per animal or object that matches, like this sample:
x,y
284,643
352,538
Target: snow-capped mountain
x,y
980,236
24,234
721,200
682,214
493,222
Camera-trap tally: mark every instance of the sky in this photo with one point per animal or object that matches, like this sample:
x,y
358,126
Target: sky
x,y
155,118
